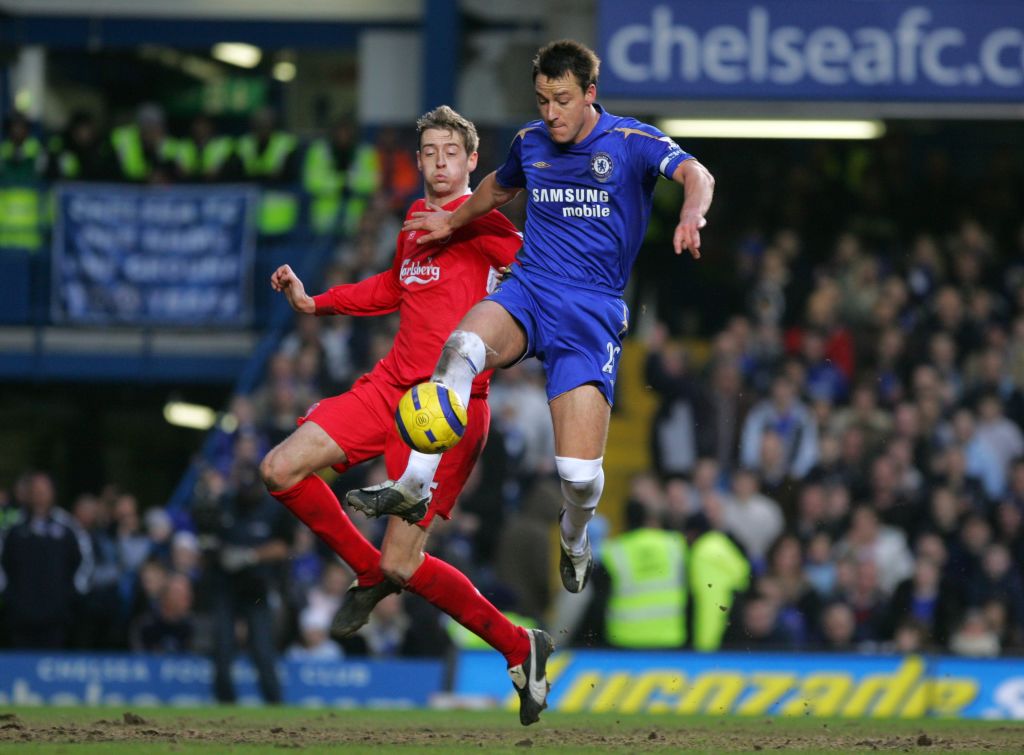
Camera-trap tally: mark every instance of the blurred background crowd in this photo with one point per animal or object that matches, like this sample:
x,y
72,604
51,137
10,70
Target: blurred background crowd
x,y
836,454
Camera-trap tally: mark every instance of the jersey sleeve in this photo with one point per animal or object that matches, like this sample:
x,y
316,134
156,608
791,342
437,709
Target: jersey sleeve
x,y
510,174
656,152
497,239
379,294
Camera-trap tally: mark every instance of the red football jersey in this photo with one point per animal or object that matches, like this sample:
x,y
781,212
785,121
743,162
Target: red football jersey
x,y
432,287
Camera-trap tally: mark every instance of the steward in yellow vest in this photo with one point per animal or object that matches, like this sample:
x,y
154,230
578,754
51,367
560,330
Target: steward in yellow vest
x,y
640,587
270,158
341,177
79,154
144,151
205,156
22,165
718,571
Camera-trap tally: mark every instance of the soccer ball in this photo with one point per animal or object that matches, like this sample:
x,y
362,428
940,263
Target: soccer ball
x,y
430,418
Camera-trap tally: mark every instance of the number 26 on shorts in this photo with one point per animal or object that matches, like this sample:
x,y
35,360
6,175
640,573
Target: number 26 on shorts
x,y
613,352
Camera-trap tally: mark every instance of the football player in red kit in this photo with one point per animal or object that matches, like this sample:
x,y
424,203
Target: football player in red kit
x,y
431,287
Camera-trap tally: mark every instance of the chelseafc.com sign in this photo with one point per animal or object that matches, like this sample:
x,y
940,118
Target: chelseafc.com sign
x,y
943,50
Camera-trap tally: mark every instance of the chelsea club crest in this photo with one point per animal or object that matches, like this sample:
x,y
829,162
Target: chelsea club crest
x,y
601,166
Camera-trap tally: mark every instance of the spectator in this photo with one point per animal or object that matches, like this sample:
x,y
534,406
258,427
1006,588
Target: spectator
x,y
885,547
728,404
523,561
385,634
998,439
838,628
45,565
99,622
998,581
753,518
927,599
682,408
790,419
799,605
167,627
315,642
975,637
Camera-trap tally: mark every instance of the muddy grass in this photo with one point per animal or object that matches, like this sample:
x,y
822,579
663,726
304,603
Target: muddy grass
x,y
76,730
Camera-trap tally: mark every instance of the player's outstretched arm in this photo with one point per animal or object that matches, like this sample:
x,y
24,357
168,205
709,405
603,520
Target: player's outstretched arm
x,y
284,280
440,224
700,187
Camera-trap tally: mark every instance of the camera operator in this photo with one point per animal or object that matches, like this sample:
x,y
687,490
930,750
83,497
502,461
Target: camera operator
x,y
244,535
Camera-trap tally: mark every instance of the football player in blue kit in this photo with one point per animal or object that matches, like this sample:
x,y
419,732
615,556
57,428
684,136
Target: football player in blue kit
x,y
589,177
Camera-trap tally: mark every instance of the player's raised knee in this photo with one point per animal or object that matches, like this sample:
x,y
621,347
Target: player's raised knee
x,y
468,345
582,479
276,472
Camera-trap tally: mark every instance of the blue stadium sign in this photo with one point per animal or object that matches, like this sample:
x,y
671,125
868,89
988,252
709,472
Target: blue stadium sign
x,y
145,255
187,681
866,50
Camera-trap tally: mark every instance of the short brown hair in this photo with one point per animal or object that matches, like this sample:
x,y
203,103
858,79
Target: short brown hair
x,y
555,59
446,119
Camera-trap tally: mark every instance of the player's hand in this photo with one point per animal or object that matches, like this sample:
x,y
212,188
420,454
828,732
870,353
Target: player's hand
x,y
436,223
284,280
687,234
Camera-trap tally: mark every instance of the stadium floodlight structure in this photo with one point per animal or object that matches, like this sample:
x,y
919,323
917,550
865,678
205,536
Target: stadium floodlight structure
x,y
238,54
193,416
771,128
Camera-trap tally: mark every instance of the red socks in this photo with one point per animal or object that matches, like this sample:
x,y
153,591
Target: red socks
x,y
313,501
451,591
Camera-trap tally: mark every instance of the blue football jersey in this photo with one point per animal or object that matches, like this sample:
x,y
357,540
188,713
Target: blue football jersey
x,y
588,204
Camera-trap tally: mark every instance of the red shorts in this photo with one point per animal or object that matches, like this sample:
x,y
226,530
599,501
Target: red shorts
x,y
362,422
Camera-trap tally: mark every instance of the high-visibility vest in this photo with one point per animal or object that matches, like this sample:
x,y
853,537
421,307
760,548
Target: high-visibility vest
x,y
279,210
20,218
647,608
131,156
339,197
718,570
464,639
205,161
23,162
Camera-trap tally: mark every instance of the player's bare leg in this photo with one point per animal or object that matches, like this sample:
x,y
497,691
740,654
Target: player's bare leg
x,y
487,337
580,419
302,453
289,474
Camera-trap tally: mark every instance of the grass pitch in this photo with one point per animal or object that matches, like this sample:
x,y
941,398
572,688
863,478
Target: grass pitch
x,y
267,730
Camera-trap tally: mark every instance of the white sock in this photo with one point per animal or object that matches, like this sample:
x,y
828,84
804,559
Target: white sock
x,y
582,484
462,359
419,473
574,528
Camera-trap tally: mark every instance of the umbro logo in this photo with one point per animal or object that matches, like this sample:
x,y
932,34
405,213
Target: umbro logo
x,y
542,164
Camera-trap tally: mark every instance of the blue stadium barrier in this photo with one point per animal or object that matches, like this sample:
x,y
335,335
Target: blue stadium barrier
x,y
187,681
754,684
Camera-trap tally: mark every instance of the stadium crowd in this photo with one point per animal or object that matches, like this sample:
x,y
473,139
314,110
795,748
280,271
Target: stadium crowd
x,y
854,430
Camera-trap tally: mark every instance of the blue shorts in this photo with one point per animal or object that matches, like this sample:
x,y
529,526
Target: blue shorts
x,y
576,332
